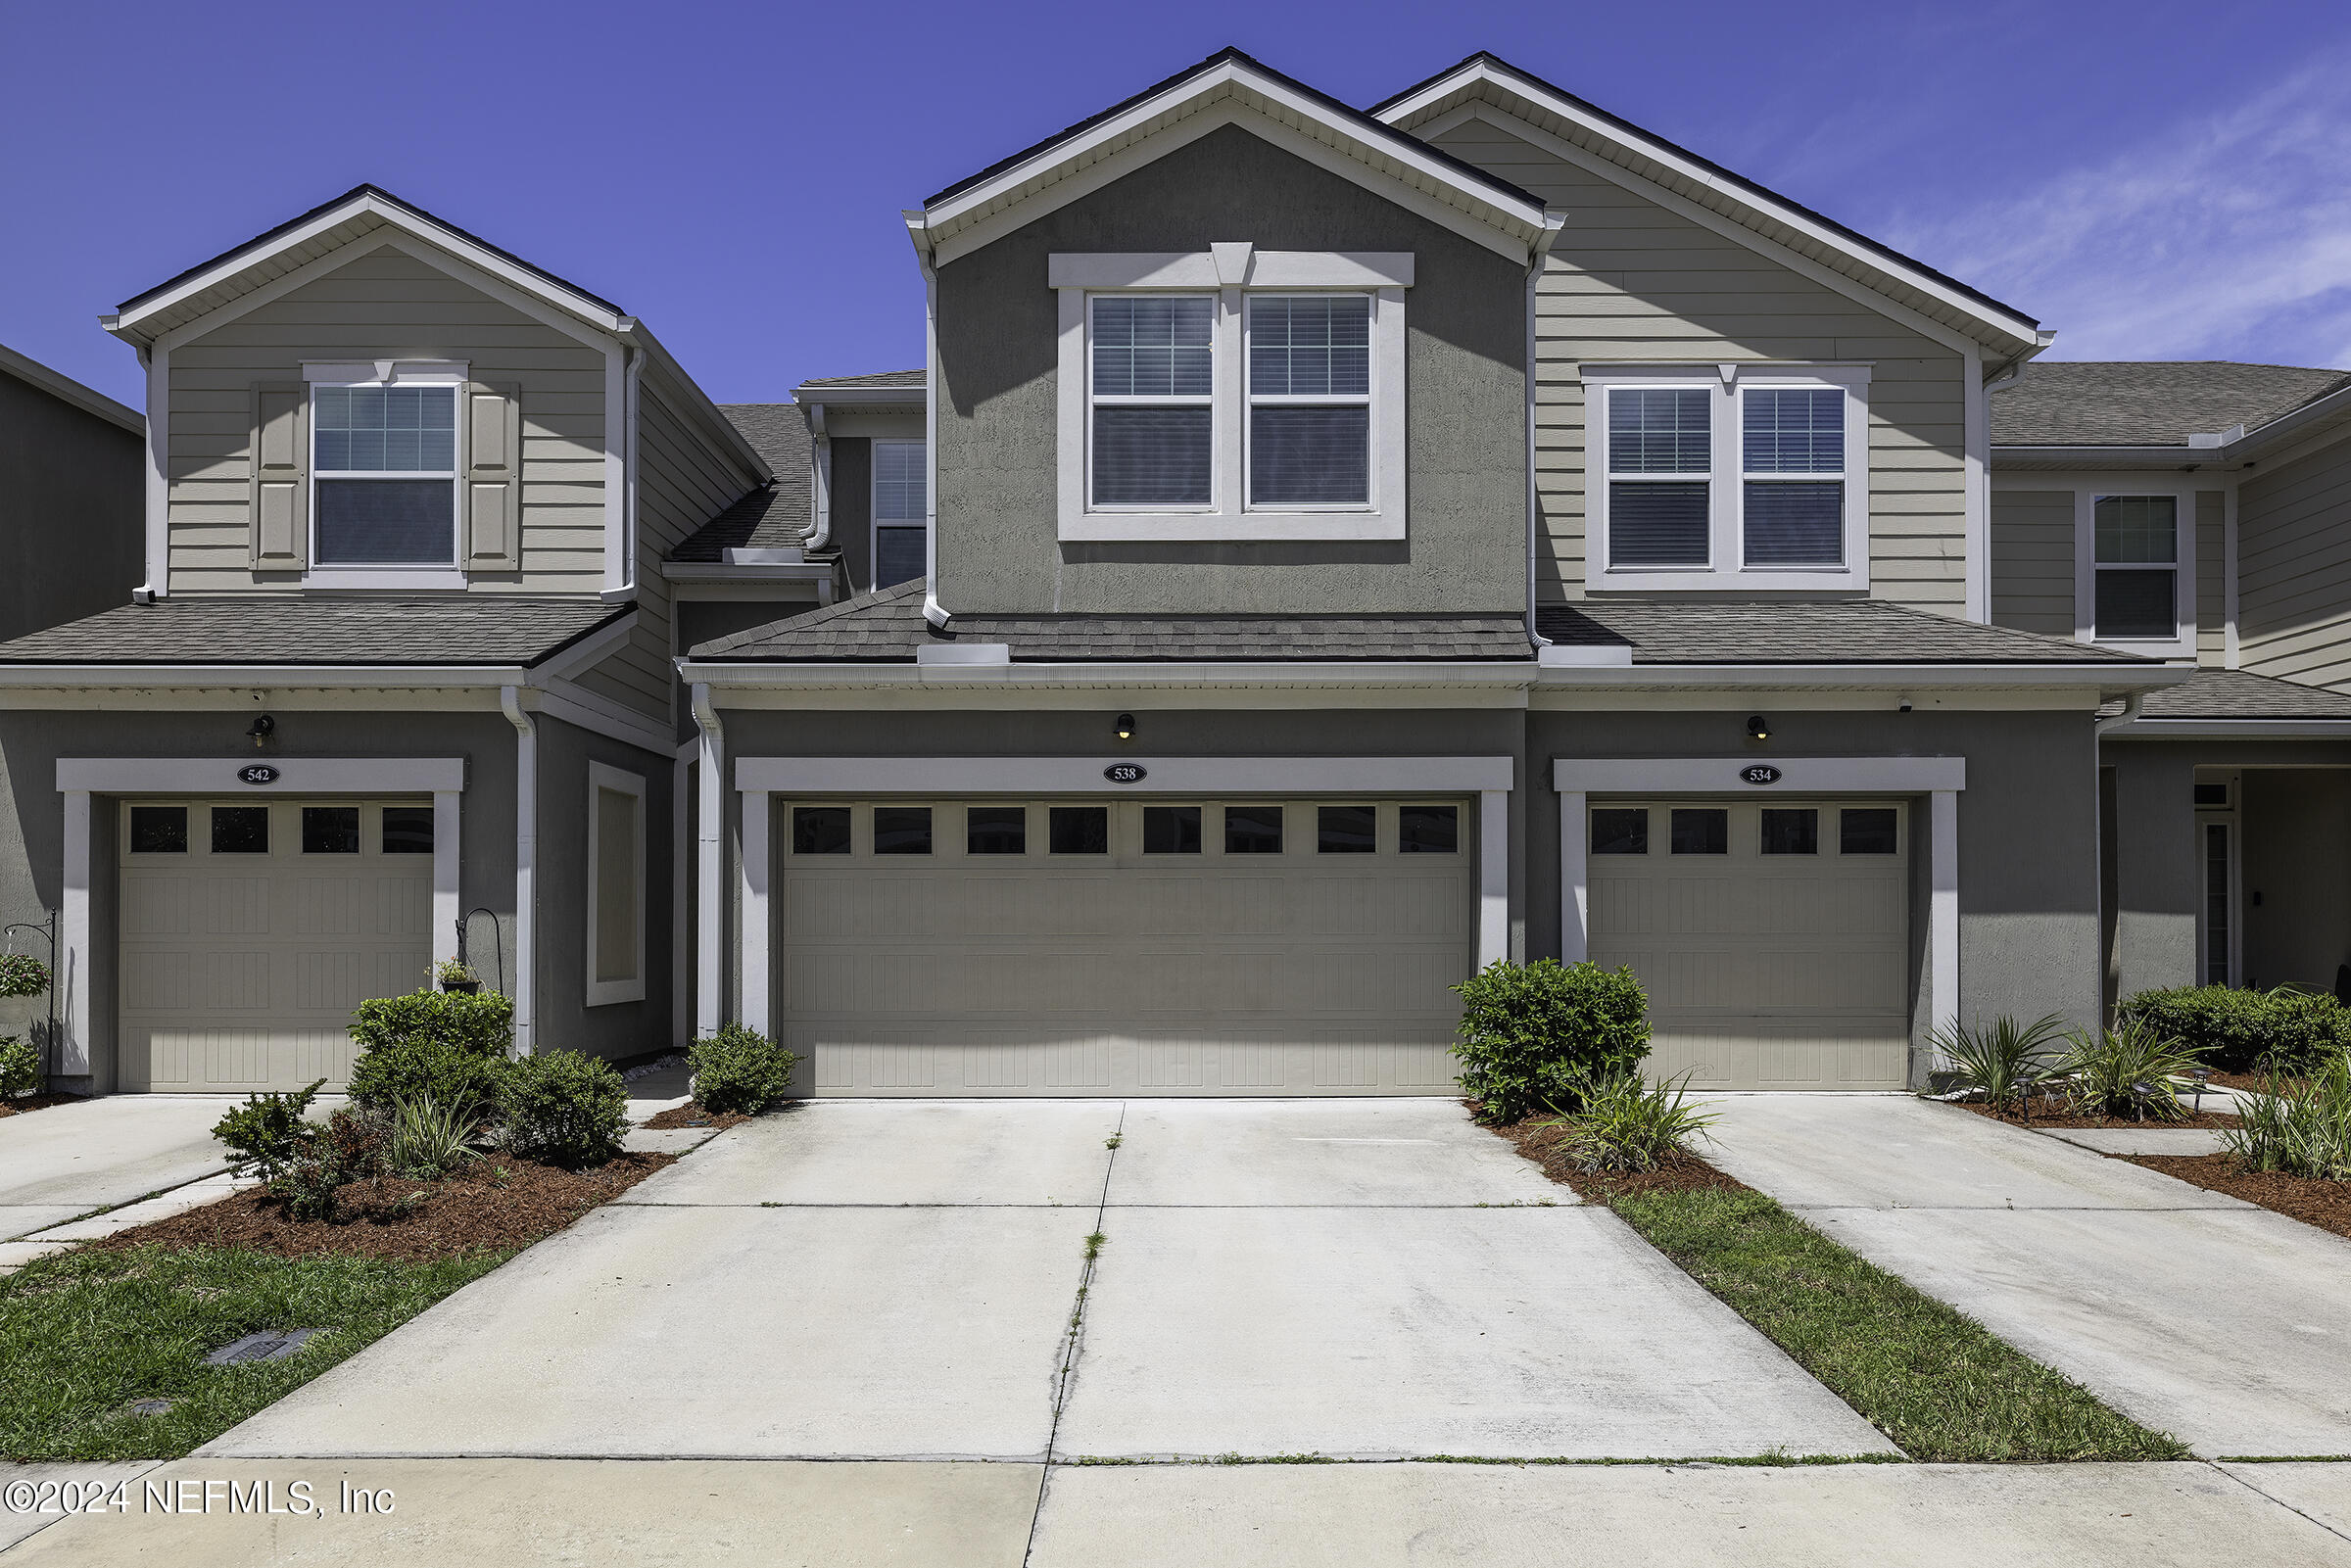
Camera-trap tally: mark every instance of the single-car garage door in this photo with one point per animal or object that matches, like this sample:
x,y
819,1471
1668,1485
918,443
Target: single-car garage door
x,y
1083,947
250,929
1773,939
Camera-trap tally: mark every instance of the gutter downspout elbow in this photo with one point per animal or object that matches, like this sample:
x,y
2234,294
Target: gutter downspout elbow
x,y
820,530
2133,705
710,862
1553,222
526,859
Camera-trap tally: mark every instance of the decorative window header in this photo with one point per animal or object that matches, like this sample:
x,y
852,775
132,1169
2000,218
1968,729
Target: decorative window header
x,y
1236,264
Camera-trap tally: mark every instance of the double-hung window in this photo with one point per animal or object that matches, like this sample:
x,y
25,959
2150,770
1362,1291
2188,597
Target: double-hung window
x,y
901,512
1727,477
2135,553
1246,396
385,474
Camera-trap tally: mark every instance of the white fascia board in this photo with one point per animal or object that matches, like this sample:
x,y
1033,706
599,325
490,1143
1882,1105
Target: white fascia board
x,y
1189,108
261,676
1197,269
1798,776
2054,460
741,572
480,256
594,648
1512,673
154,776
842,397
66,389
1893,676
2232,728
1160,776
585,710
698,401
1481,80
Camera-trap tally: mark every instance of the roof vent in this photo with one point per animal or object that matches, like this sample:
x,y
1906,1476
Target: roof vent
x,y
964,653
1584,656
778,556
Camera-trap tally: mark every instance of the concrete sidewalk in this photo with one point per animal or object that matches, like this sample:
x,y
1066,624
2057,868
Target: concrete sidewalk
x,y
60,1163
2194,1314
706,1514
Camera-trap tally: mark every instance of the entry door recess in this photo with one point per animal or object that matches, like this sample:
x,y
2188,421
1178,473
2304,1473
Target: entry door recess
x,y
250,930
1773,938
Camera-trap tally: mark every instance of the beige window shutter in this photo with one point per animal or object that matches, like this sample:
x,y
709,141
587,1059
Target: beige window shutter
x,y
493,476
281,526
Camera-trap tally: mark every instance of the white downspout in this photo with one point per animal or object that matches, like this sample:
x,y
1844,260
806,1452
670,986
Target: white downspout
x,y
526,859
629,532
710,865
2133,704
934,612
821,472
156,361
1553,222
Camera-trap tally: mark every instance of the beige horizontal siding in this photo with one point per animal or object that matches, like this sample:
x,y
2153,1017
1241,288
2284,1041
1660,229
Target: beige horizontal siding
x,y
1629,281
2033,561
384,304
2293,539
2212,578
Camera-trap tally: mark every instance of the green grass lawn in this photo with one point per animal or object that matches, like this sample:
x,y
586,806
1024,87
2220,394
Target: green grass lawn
x,y
85,1334
1937,1382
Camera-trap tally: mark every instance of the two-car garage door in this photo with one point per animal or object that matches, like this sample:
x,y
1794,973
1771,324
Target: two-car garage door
x,y
1083,947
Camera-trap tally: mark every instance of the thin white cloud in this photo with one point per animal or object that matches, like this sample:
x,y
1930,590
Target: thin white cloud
x,y
2223,236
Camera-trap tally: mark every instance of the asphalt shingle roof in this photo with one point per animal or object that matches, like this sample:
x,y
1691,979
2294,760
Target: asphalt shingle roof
x,y
274,629
776,514
2152,404
890,626
1804,632
2242,695
879,378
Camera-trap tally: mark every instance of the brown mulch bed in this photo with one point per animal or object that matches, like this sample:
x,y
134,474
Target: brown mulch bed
x,y
2324,1204
2048,1110
1541,1144
496,1204
38,1102
691,1114
2259,1083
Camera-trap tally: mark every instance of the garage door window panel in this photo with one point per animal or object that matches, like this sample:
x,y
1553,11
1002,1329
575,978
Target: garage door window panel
x,y
1620,830
1170,830
158,829
240,830
820,829
995,829
901,830
1702,831
1791,831
1346,830
1080,829
330,830
1253,830
1428,829
407,829
1868,831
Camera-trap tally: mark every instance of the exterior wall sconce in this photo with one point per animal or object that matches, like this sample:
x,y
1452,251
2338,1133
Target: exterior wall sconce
x,y
263,729
1125,727
1756,729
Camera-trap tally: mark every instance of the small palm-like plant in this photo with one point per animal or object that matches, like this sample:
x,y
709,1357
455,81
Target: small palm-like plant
x,y
1626,1126
2299,1127
428,1138
1999,1059
2126,1071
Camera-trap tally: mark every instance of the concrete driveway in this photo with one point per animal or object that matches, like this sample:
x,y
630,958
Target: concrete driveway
x,y
58,1164
900,1280
2195,1313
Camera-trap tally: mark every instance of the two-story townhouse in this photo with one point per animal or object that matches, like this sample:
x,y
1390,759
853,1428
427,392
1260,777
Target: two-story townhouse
x,y
2195,512
396,688
1364,546
70,531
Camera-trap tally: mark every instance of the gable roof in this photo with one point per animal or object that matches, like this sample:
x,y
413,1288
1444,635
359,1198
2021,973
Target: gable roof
x,y
1804,632
2088,403
66,389
776,515
879,378
1192,102
1549,108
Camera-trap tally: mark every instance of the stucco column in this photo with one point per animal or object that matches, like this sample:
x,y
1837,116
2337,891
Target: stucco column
x,y
1943,906
70,1051
446,860
756,809
1575,879
1493,876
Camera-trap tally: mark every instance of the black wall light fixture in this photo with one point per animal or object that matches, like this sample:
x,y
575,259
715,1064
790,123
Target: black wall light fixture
x,y
1756,729
264,726
1125,727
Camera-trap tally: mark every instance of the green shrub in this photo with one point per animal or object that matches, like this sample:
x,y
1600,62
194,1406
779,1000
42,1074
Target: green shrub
x,y
1627,1125
2299,1127
481,1022
2001,1059
740,1070
349,1148
427,1138
465,1082
565,1109
2244,1032
267,1131
1534,1035
20,1066
2124,1071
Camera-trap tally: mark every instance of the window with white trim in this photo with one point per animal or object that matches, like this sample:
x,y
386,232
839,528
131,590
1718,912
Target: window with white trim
x,y
1727,476
615,933
1151,415
901,512
2134,562
1310,400
384,474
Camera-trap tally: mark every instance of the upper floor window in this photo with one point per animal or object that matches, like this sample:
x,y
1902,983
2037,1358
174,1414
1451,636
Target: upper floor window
x,y
1727,476
1241,395
901,512
385,475
2135,553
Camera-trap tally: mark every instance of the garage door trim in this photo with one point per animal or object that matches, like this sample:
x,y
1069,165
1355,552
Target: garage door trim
x,y
758,779
1939,779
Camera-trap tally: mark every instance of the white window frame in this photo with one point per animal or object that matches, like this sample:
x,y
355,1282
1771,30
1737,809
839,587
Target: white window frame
x,y
873,500
2183,643
1726,569
1229,274
387,374
1252,399
602,777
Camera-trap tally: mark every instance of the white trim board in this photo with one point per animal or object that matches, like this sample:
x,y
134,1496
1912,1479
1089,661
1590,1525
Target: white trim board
x,y
349,776
1720,775
1162,775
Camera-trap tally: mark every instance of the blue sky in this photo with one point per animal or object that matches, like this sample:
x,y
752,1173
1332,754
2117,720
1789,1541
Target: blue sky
x,y
2155,180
